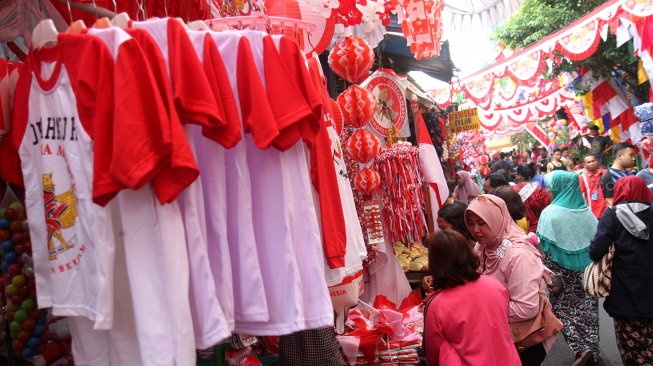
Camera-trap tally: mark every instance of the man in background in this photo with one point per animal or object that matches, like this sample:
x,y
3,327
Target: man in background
x,y
600,146
590,185
624,159
647,174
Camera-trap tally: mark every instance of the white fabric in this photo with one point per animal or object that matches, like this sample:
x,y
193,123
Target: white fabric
x,y
240,227
288,251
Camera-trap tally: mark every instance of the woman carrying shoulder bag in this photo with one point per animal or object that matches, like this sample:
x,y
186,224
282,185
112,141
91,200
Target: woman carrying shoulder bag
x,y
506,254
627,224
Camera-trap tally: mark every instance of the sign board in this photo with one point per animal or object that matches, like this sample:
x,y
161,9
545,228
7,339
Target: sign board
x,y
373,222
464,120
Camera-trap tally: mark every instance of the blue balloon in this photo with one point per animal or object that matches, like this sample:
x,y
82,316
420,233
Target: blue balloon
x,y
4,267
28,353
7,246
34,342
4,223
10,258
39,329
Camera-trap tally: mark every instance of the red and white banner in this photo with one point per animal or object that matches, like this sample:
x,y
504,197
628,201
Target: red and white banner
x,y
432,173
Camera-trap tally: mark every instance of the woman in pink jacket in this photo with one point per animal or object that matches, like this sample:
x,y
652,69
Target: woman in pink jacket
x,y
506,254
459,331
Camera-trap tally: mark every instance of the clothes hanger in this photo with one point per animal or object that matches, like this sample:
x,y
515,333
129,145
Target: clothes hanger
x,y
76,26
121,20
198,25
45,32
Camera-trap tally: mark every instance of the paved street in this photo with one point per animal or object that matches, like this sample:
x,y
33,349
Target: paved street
x,y
561,355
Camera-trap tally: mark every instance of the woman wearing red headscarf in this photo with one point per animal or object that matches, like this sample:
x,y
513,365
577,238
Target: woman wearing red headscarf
x,y
627,224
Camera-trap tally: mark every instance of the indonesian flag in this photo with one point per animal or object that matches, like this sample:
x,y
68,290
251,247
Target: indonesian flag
x,y
431,170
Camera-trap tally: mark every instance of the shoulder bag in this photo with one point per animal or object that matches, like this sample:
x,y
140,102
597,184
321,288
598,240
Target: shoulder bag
x,y
597,279
530,332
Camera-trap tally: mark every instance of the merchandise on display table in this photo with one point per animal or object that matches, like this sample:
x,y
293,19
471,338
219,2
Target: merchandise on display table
x,y
383,334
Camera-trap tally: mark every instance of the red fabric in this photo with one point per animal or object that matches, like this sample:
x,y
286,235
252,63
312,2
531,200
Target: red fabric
x,y
600,96
142,139
632,189
593,181
325,181
227,135
10,170
182,170
258,118
287,102
535,204
192,93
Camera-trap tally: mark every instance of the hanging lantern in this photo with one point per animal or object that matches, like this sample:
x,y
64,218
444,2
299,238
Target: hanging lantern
x,y
367,181
483,159
336,115
363,146
351,58
357,105
485,171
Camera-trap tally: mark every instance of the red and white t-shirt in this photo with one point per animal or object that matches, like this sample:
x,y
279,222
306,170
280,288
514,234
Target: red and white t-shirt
x,y
66,121
295,288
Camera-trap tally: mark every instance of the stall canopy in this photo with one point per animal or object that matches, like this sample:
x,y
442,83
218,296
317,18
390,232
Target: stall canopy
x,y
512,94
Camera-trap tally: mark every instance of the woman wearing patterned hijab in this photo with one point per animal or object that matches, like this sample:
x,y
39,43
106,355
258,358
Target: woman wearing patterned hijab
x,y
466,189
566,228
630,303
506,254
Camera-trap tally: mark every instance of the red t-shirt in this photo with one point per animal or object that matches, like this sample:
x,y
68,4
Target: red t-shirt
x,y
590,185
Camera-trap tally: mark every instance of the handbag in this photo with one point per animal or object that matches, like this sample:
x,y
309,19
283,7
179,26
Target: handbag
x,y
597,279
530,332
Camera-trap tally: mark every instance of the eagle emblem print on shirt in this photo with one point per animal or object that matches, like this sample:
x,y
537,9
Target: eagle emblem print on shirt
x,y
60,213
52,136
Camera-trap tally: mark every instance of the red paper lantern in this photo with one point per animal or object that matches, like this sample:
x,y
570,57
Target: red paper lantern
x,y
367,181
357,105
363,146
338,119
483,159
485,171
351,58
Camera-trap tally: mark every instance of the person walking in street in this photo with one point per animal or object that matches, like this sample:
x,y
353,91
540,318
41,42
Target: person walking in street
x,y
466,189
458,331
590,185
494,181
628,225
556,163
532,194
506,254
624,159
566,228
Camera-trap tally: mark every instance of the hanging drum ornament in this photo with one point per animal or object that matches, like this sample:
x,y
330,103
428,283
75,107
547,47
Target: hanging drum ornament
x,y
483,159
337,117
367,181
363,146
485,171
351,58
357,105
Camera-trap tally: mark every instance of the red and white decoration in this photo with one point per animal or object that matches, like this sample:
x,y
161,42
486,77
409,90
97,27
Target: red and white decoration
x,y
421,23
367,181
363,146
357,105
351,58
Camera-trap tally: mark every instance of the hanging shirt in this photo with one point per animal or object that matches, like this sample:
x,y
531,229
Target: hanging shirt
x,y
153,235
355,242
249,292
67,118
